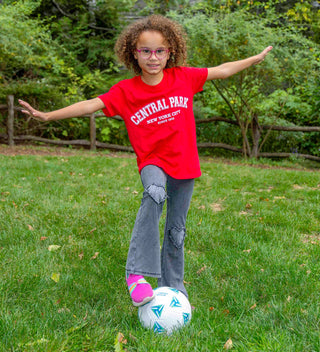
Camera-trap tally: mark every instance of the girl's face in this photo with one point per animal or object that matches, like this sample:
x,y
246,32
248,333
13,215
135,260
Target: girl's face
x,y
152,54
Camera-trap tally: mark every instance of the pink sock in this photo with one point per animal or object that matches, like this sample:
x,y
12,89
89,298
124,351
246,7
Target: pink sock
x,y
140,290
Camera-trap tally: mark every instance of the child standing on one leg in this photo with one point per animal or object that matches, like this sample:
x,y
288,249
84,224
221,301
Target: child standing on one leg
x,y
156,106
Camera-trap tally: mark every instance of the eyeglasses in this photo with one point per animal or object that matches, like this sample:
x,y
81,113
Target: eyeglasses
x,y
147,53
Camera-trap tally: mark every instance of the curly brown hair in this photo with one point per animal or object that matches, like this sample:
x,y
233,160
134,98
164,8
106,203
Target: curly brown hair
x,y
172,31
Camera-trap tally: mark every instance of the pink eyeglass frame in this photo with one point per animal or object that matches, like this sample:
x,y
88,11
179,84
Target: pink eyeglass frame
x,y
153,51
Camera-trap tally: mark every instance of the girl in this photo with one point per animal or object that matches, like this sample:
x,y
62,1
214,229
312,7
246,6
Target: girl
x,y
156,106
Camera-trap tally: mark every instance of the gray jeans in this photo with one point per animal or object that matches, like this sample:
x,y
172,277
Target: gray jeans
x,y
144,256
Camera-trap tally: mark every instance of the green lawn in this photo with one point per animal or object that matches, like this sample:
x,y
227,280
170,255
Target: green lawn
x,y
252,257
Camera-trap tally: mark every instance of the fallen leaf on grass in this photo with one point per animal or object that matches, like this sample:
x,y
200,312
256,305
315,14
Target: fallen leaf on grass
x,y
216,207
30,228
119,341
37,342
277,198
43,238
95,255
313,238
246,250
228,345
63,310
253,306
81,255
297,187
53,247
55,277
243,212
202,269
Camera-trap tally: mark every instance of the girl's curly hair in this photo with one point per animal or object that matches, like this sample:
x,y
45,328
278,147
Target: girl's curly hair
x,y
173,33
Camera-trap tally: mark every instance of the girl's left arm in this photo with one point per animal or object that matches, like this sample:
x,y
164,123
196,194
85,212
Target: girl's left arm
x,y
230,68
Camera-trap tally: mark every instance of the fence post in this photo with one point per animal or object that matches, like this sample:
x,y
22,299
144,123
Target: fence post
x,y
10,103
93,133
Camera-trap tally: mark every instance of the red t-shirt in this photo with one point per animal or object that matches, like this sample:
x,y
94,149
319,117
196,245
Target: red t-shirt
x,y
159,119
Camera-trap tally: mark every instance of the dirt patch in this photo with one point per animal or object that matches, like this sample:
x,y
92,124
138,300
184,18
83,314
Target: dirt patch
x,y
57,151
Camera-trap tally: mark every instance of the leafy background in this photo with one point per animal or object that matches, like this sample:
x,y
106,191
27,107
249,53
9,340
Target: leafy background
x,y
54,53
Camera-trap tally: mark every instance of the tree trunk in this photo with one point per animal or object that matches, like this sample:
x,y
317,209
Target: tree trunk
x,y
255,136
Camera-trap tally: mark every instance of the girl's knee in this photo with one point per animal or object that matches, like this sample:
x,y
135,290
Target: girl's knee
x,y
177,235
157,193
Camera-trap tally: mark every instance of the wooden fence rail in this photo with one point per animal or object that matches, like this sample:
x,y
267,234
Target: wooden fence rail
x,y
10,138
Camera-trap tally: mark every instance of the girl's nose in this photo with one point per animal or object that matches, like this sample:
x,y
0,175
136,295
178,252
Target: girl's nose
x,y
153,54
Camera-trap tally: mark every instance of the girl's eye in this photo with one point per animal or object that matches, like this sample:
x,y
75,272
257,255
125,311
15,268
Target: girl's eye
x,y
145,51
160,51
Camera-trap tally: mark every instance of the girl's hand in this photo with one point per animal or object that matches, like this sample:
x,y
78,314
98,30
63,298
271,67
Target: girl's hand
x,y
260,57
29,110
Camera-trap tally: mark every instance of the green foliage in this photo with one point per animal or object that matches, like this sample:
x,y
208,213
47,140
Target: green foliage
x,y
26,51
52,58
53,53
290,71
111,131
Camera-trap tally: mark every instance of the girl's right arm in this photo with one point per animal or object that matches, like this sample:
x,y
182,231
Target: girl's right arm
x,y
81,108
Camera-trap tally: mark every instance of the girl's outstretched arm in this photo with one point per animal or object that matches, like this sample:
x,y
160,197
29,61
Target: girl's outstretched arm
x,y
81,108
230,68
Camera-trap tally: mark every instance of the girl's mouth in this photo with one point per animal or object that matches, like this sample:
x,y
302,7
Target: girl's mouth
x,y
153,66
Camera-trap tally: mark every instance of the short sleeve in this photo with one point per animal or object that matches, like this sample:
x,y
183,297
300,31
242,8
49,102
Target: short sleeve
x,y
112,101
196,76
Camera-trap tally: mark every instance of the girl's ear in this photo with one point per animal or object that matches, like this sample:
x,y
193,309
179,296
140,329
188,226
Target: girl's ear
x,y
135,55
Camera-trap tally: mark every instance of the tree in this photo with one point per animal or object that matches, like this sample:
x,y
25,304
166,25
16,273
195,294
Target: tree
x,y
277,91
53,53
27,52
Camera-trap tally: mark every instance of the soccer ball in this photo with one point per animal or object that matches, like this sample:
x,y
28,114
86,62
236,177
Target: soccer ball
x,y
168,311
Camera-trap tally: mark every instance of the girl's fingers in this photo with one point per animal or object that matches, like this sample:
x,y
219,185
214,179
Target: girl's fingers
x,y
26,105
29,110
26,112
266,50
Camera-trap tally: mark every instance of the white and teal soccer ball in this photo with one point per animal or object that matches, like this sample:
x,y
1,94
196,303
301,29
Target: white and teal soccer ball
x,y
168,311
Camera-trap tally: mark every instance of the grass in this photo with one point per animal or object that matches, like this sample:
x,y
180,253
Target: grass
x,y
252,257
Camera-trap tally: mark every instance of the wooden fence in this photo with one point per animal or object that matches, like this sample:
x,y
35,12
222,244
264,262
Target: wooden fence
x,y
92,143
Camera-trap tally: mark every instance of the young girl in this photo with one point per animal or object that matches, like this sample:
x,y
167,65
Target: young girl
x,y
156,106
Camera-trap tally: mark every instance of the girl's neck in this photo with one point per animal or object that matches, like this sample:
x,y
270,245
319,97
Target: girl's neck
x,y
152,80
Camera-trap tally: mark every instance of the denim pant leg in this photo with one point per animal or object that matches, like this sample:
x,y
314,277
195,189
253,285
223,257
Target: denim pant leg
x,y
144,251
172,255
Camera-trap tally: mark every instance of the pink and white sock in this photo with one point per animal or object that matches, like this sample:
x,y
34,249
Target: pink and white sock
x,y
140,290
